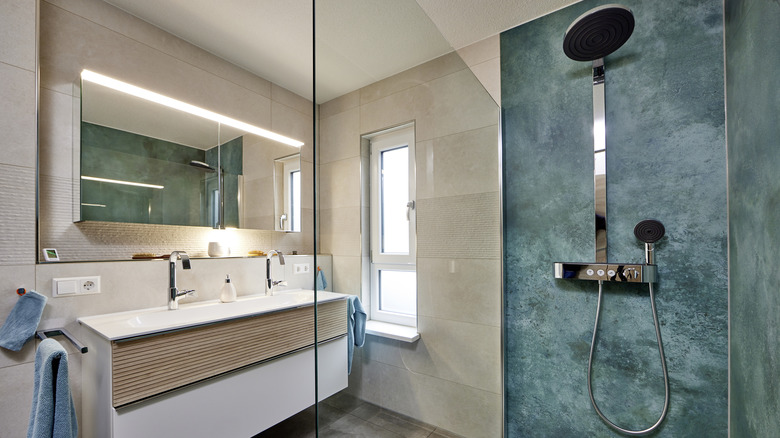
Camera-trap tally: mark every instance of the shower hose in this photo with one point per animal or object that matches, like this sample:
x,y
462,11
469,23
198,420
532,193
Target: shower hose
x,y
663,367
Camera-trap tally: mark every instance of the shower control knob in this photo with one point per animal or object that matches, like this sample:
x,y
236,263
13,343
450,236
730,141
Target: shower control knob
x,y
589,271
600,272
611,273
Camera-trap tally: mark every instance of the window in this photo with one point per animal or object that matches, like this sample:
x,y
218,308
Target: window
x,y
294,200
288,204
393,274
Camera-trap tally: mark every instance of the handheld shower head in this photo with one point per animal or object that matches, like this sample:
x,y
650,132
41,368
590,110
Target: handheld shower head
x,y
598,32
649,231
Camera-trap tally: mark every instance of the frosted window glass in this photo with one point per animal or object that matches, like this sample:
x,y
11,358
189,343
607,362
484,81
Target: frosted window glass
x,y
398,291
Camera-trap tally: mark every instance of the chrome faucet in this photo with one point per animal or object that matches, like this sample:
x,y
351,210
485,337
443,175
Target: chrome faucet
x,y
173,292
270,282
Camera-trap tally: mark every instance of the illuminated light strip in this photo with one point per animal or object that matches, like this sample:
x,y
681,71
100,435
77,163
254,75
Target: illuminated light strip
x,y
151,96
84,204
126,183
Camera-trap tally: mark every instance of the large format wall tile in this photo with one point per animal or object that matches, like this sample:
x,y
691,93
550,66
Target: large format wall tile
x,y
17,33
15,410
17,117
460,289
458,164
666,160
752,62
17,244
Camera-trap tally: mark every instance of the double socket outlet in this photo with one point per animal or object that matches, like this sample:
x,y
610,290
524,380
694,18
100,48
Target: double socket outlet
x,y
68,287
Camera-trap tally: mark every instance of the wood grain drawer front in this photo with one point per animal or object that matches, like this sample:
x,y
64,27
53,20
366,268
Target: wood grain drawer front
x,y
151,365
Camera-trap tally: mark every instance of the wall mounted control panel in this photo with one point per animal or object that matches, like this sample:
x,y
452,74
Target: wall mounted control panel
x,y
625,273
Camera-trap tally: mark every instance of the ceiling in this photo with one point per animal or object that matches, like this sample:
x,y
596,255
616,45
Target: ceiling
x,y
358,42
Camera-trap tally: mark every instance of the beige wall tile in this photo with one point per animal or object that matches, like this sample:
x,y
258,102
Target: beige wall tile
x,y
289,122
472,229
55,133
17,215
347,277
294,101
17,34
340,183
17,116
340,104
340,136
458,164
458,103
15,404
421,74
340,231
465,353
386,351
467,290
489,74
461,409
481,51
395,109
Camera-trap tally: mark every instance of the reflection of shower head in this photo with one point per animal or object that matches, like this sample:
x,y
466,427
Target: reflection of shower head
x,y
598,32
202,165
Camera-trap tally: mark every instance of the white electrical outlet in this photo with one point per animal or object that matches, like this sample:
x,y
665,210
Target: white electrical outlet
x,y
75,286
302,268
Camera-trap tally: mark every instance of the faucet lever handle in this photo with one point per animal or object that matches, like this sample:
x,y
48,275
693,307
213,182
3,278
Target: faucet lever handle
x,y
188,292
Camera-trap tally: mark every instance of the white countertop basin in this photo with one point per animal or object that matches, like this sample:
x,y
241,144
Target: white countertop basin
x,y
114,326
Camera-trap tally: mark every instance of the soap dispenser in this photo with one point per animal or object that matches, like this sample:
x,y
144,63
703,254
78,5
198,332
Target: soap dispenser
x,y
228,293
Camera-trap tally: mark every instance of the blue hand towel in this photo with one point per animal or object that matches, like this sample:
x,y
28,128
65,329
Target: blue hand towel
x,y
321,282
53,414
22,321
356,328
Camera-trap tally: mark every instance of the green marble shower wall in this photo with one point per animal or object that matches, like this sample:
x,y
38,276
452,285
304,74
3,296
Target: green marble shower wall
x,y
667,161
752,65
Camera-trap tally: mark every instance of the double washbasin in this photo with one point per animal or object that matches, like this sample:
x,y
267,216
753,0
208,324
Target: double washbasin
x,y
122,325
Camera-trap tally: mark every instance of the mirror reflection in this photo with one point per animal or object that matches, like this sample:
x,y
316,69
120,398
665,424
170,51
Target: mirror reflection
x,y
145,162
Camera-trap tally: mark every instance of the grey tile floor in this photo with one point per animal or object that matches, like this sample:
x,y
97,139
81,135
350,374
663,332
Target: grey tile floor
x,y
343,415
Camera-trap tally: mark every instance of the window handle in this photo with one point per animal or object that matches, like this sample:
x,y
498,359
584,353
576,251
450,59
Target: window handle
x,y
409,207
282,218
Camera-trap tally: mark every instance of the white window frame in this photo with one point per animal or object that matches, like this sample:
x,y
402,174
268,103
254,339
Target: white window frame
x,y
291,164
385,141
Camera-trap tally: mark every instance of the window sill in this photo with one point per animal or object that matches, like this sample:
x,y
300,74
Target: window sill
x,y
398,332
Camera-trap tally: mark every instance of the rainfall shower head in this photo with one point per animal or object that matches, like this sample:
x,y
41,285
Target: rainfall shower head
x,y
202,165
598,32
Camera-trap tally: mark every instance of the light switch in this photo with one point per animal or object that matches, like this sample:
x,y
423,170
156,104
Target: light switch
x,y
66,287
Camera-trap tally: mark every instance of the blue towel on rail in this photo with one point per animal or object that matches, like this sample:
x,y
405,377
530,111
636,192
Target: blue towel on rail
x,y
356,328
22,321
53,414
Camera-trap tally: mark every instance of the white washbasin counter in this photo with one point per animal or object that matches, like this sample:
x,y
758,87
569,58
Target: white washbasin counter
x,y
122,325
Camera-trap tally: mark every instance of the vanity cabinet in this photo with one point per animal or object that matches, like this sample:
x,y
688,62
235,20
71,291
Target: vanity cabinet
x,y
231,378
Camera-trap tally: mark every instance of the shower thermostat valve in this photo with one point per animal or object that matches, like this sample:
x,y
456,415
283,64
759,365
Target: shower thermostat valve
x,y
624,273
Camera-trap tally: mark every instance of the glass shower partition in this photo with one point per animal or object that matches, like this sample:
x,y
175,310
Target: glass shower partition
x,y
429,358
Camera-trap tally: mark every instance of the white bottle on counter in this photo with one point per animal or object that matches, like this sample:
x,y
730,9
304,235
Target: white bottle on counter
x,y
228,293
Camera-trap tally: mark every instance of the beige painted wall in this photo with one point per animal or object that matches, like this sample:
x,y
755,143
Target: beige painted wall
x,y
78,34
451,377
